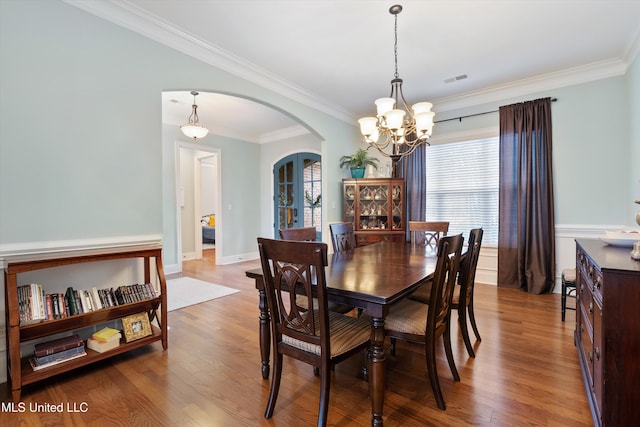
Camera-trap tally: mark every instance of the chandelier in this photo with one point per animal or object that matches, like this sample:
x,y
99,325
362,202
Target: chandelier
x,y
193,129
397,130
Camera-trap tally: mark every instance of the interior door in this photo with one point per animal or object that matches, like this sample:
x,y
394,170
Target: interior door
x,y
297,193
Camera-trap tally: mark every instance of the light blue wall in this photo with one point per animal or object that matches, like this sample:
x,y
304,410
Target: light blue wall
x,y
633,84
83,153
590,148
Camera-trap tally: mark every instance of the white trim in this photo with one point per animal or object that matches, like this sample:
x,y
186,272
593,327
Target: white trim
x,y
233,259
15,251
219,214
281,134
542,83
128,15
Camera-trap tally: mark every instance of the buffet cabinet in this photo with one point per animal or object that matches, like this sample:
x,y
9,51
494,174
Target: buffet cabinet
x,y
607,333
376,207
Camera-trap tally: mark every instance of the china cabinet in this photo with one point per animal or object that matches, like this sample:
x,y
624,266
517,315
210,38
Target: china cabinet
x,y
376,207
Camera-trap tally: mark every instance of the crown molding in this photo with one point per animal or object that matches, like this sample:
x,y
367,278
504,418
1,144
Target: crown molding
x,y
126,14
285,133
541,83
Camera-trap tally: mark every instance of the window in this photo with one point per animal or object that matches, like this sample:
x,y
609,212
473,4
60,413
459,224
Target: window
x,y
462,186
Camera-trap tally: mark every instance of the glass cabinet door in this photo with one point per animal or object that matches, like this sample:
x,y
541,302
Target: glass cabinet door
x,y
374,207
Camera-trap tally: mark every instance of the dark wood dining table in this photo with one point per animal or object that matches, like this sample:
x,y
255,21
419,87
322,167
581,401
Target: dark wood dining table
x,y
371,278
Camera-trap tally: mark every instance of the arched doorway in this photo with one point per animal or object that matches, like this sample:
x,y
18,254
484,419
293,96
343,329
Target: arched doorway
x,y
298,193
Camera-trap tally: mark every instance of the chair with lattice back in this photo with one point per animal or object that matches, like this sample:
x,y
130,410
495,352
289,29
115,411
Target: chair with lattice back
x,y
421,323
342,236
428,233
312,334
463,295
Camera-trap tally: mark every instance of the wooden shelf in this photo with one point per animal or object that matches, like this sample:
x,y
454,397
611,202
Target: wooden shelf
x,y
19,369
30,376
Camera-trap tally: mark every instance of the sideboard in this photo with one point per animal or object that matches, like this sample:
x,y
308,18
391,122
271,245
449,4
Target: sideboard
x,y
607,334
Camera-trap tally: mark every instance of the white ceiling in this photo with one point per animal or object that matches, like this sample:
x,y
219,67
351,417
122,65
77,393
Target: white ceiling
x,y
337,55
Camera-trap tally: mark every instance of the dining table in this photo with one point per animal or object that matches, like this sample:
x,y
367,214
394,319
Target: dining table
x,y
371,278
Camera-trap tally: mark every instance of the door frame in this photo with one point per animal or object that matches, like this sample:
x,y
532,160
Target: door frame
x,y
194,147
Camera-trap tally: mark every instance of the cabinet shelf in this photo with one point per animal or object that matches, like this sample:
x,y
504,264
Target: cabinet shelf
x,y
19,369
49,327
30,376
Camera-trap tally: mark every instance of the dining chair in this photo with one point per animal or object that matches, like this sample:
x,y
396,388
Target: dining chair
x,y
311,334
428,233
343,236
308,234
302,234
568,280
463,294
421,323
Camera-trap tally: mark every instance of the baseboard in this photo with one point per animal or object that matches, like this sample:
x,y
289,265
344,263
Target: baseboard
x,y
239,258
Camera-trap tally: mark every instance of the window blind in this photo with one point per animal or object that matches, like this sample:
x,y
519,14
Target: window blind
x,y
462,186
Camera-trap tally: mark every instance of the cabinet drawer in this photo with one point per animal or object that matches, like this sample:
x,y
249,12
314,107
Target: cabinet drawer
x,y
598,357
586,344
368,238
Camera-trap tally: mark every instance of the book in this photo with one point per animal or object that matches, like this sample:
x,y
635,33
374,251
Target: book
x,y
65,354
101,347
107,334
71,301
95,298
36,367
58,345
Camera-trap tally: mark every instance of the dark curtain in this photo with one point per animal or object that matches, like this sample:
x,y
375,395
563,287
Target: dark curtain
x,y
526,236
414,171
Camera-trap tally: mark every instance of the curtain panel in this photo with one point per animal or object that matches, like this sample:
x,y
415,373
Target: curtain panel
x,y
526,235
414,171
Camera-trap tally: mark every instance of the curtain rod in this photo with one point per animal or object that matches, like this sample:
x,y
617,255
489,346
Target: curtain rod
x,y
477,114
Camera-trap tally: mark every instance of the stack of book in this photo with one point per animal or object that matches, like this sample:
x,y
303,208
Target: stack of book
x,y
105,339
60,350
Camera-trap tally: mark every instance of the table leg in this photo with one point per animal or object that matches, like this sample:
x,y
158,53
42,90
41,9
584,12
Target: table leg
x,y
265,333
376,372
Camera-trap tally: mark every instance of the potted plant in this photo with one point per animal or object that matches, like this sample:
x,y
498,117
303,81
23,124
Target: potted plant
x,y
358,162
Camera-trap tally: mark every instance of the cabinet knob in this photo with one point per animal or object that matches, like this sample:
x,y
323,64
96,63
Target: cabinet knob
x,y
596,352
598,282
591,308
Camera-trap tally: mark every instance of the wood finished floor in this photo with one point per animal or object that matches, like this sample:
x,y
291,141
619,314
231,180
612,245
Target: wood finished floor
x,y
526,372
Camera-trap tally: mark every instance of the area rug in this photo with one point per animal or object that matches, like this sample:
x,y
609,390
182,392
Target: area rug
x,y
186,291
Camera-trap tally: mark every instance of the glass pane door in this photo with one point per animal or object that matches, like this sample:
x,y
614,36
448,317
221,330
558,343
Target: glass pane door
x,y
297,193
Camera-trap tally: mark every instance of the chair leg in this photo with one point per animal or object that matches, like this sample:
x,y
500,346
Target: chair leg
x,y
275,385
430,353
325,382
447,349
464,329
472,319
563,298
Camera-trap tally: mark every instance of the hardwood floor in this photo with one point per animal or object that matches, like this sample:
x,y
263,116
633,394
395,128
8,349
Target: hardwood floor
x,y
526,372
